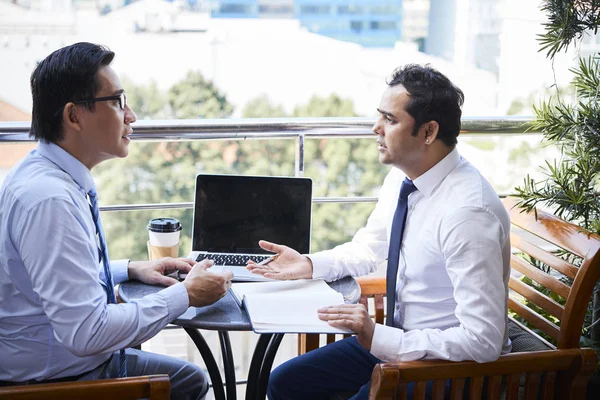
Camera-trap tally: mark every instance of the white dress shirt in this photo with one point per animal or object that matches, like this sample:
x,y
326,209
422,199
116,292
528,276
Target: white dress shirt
x,y
453,270
54,318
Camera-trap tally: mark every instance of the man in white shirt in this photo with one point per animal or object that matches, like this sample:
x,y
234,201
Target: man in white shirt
x,y
452,258
59,320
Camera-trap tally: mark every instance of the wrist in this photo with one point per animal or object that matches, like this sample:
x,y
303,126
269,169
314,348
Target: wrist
x,y
132,270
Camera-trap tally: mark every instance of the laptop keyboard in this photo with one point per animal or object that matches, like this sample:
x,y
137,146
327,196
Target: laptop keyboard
x,y
230,258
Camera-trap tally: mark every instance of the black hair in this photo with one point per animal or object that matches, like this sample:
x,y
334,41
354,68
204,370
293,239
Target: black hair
x,y
433,97
68,74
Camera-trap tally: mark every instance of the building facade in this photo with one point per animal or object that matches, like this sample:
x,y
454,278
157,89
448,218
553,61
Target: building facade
x,y
370,23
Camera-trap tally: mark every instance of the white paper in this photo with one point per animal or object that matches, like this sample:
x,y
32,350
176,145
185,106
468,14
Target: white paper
x,y
288,306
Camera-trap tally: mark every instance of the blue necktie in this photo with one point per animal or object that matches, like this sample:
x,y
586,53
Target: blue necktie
x,y
394,248
110,287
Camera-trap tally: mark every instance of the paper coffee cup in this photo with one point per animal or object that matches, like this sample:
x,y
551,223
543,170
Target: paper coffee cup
x,y
164,232
164,238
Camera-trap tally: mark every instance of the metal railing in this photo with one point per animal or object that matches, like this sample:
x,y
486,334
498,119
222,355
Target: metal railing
x,y
299,129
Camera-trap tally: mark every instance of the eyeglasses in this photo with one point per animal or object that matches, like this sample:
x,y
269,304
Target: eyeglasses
x,y
121,97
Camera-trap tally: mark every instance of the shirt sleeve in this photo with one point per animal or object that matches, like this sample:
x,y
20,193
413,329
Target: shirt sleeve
x,y
472,240
369,246
64,275
120,271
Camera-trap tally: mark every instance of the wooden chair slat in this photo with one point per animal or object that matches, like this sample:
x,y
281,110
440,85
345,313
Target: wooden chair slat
x,y
550,228
535,319
548,385
539,276
420,390
532,383
457,389
439,388
494,387
476,387
536,297
379,309
542,255
512,386
330,338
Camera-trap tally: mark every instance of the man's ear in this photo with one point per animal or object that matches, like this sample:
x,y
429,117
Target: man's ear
x,y
431,130
70,117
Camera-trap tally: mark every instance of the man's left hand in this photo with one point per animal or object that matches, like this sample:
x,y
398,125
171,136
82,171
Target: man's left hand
x,y
153,272
351,316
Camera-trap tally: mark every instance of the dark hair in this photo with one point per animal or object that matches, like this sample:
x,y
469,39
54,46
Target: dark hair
x,y
68,74
432,98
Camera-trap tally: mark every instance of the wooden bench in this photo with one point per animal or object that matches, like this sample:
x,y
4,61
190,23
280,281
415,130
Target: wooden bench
x,y
153,387
558,368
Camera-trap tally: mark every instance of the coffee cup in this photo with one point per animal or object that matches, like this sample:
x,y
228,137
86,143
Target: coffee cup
x,y
163,236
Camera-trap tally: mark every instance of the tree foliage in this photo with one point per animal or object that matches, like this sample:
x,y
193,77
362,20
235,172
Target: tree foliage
x,y
568,20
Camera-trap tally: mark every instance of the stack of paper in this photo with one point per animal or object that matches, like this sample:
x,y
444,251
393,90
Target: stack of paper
x,y
288,306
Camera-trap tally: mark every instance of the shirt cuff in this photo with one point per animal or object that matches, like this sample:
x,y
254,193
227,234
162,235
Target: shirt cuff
x,y
321,262
177,300
120,271
386,342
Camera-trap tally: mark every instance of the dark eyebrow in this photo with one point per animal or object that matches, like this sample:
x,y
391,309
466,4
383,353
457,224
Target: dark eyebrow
x,y
389,114
117,92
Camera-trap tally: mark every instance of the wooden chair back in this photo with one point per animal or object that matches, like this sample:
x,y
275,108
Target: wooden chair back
x,y
542,375
153,387
570,263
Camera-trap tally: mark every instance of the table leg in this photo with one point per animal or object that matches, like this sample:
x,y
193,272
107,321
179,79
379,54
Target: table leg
x,y
228,365
256,365
265,371
209,360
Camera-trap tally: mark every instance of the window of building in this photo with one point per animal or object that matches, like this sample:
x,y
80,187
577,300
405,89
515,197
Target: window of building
x,y
384,25
356,26
351,9
314,9
384,10
235,8
275,9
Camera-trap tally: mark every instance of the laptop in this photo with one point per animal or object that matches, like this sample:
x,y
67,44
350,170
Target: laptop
x,y
233,212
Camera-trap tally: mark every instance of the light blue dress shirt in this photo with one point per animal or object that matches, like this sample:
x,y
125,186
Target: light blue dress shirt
x,y
54,318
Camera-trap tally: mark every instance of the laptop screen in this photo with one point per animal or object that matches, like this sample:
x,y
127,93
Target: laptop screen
x,y
232,213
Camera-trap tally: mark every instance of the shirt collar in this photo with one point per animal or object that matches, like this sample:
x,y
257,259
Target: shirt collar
x,y
427,182
65,161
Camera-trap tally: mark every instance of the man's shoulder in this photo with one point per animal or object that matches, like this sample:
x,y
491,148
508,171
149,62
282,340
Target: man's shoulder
x,y
465,187
35,180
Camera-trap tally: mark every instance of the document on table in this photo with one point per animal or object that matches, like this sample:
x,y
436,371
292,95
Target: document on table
x,y
287,306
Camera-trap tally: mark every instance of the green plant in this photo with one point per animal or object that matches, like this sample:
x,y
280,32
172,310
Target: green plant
x,y
570,186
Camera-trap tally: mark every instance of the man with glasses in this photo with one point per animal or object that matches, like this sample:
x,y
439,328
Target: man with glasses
x,y
59,320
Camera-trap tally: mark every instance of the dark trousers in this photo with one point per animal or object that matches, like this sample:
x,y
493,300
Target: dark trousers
x,y
340,367
339,370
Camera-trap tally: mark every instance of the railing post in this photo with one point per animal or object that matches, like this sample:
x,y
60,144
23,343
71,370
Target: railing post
x,y
299,165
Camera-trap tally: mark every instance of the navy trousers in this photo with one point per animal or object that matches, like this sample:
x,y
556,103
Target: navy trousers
x,y
340,367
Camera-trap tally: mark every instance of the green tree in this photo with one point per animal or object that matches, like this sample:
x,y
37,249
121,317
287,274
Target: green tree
x,y
261,107
572,184
196,97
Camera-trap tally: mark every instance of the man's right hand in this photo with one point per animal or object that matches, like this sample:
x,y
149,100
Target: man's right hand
x,y
289,264
205,287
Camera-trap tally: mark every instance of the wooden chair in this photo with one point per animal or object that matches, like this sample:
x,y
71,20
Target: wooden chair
x,y
571,259
153,387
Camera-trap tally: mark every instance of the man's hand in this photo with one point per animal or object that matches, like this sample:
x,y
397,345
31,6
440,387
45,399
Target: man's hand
x,y
153,272
289,264
351,316
205,287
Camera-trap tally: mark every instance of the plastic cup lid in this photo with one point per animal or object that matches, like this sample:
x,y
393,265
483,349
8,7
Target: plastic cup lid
x,y
164,225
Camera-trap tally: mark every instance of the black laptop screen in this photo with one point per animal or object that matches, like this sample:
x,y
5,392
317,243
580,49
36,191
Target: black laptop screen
x,y
232,213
